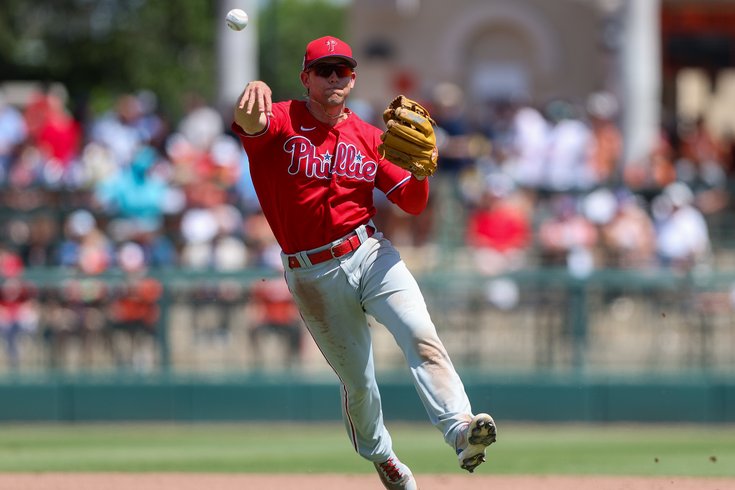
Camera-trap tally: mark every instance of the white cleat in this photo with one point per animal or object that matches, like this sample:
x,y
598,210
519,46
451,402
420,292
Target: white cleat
x,y
395,475
480,434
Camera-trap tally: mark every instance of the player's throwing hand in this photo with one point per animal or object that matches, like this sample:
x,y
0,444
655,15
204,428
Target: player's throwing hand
x,y
254,107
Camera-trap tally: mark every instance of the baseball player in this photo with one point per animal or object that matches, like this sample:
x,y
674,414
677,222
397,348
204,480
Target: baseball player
x,y
314,165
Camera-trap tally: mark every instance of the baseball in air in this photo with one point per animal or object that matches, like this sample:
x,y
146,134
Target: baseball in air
x,y
236,19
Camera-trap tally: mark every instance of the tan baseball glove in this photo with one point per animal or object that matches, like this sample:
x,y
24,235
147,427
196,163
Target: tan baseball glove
x,y
409,140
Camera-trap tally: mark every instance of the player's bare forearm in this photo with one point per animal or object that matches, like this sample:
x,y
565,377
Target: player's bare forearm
x,y
254,106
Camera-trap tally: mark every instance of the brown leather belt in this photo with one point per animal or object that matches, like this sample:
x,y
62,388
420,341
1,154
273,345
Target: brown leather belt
x,y
348,244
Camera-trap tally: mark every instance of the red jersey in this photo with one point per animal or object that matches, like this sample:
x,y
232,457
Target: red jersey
x,y
315,182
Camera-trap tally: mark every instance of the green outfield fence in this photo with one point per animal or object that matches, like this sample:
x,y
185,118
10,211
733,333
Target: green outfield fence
x,y
294,398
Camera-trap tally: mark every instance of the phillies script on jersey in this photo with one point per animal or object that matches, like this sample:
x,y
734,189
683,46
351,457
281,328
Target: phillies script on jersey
x,y
347,160
315,182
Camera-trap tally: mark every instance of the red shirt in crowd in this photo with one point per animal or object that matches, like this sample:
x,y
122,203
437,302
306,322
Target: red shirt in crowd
x,y
500,228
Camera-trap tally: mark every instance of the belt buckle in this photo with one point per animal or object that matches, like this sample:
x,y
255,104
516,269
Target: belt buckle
x,y
345,239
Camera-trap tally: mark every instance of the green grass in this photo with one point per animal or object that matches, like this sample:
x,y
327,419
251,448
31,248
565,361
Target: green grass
x,y
270,447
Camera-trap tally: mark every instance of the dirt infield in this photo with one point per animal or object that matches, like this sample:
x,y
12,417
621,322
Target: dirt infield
x,y
198,481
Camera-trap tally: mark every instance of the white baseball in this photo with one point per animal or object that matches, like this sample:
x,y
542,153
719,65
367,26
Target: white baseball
x,y
236,19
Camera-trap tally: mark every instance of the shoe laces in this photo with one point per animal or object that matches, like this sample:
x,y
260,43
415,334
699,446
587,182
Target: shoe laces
x,y
390,470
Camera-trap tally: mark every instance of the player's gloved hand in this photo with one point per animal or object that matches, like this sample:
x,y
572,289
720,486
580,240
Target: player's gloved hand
x,y
409,140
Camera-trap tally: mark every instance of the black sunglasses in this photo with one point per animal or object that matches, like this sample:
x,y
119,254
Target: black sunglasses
x,y
325,70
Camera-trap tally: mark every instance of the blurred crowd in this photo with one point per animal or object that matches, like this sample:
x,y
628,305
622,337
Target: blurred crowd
x,y
125,191
549,186
129,190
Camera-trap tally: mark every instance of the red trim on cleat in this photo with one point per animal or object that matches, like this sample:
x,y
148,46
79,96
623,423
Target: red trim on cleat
x,y
390,470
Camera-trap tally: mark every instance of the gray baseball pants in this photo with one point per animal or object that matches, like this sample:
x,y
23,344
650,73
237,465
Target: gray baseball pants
x,y
334,298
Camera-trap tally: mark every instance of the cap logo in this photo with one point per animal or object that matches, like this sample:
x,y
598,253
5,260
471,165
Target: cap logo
x,y
331,44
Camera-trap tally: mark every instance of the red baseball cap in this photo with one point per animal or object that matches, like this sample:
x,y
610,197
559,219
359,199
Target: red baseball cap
x,y
327,47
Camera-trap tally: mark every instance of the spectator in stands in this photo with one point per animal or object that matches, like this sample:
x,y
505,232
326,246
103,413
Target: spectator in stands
x,y
85,246
682,233
225,156
207,162
212,238
213,241
158,248
499,228
13,132
134,311
119,131
247,198
262,245
73,321
568,151
134,196
27,168
525,146
728,142
202,124
702,148
198,230
704,165
271,311
567,237
607,141
58,137
454,133
11,264
96,163
629,238
37,249
96,252
207,176
17,311
655,170
153,127
18,316
229,250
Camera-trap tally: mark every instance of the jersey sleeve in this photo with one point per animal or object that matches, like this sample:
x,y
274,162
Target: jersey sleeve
x,y
401,187
273,125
